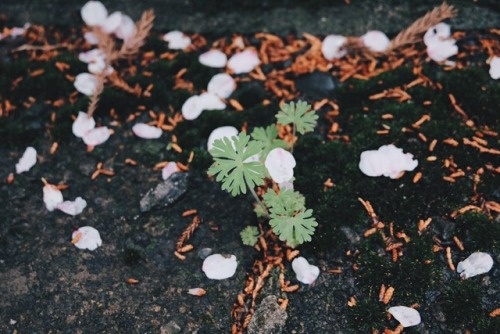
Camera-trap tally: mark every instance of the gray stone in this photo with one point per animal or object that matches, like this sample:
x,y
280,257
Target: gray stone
x,y
316,85
165,193
269,317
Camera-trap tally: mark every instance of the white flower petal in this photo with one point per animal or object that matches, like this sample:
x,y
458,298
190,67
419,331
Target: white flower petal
x,y
197,292
306,273
82,124
439,32
96,136
407,316
222,85
91,38
86,83
495,68
169,169
86,237
126,29
94,13
219,267
213,58
476,264
192,108
441,50
147,131
52,197
112,23
91,55
73,208
376,41
219,133
332,47
388,161
280,164
27,161
211,101
177,40
244,62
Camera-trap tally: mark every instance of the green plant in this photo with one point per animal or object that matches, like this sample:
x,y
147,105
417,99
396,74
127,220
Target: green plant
x,y
249,235
239,165
299,115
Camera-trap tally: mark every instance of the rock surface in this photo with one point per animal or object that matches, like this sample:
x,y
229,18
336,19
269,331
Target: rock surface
x,y
165,193
269,318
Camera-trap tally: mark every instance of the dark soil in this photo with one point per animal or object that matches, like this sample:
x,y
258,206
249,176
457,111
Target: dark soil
x,y
49,286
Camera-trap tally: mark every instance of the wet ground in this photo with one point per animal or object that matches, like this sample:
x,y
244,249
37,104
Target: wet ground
x,y
50,286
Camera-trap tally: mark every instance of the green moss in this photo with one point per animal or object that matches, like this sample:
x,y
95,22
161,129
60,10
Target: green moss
x,y
478,232
461,305
366,315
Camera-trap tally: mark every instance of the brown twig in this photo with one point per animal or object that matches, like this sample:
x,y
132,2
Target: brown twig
x,y
94,99
412,34
188,232
132,45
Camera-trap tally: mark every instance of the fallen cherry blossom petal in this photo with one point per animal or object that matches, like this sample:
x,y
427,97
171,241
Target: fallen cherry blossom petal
x,y
306,273
243,62
82,124
280,164
476,264
126,29
91,38
177,40
222,85
332,47
86,83
90,56
219,266
192,108
94,13
219,133
211,101
388,161
86,237
375,41
96,136
407,316
213,58
52,197
73,208
111,23
197,292
169,169
495,68
27,161
441,50
438,32
146,131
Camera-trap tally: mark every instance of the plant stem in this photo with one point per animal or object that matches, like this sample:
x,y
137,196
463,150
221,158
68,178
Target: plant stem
x,y
257,199
293,138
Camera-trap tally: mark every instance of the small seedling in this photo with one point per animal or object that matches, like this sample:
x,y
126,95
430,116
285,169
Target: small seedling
x,y
239,165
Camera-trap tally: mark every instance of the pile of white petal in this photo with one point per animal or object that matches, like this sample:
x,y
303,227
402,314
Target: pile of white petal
x,y
440,46
220,87
84,127
53,199
388,161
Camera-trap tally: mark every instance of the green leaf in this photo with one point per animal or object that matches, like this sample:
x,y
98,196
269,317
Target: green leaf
x,y
231,164
287,203
298,115
249,235
269,139
289,218
294,230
